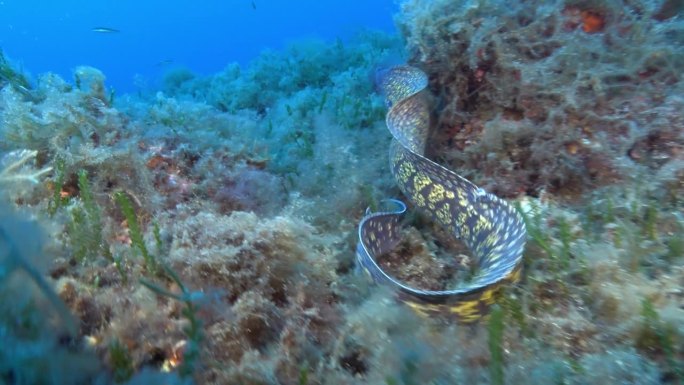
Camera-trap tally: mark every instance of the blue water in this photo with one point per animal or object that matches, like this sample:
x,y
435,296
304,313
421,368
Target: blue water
x,y
155,36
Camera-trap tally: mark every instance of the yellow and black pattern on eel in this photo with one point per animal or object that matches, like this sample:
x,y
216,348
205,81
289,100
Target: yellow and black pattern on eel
x,y
492,229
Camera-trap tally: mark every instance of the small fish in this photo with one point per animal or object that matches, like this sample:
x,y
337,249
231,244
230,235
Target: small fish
x,y
164,62
105,30
253,5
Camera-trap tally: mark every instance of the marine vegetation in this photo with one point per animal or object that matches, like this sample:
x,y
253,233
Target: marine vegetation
x,y
206,231
10,75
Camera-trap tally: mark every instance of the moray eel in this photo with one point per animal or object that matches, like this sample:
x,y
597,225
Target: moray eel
x,y
492,229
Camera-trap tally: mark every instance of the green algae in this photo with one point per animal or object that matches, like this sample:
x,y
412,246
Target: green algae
x,y
656,336
121,362
11,75
194,330
137,241
495,329
574,309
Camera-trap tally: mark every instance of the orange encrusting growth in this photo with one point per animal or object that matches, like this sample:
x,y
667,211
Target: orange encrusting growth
x,y
592,22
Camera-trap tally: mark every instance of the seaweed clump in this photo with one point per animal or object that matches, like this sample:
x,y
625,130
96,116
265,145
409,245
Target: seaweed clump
x,y
37,331
10,75
234,197
559,97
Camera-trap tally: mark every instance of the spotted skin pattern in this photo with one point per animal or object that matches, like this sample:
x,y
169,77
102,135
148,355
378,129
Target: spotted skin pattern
x,y
492,229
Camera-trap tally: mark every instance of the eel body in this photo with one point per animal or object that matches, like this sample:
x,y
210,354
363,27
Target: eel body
x,y
492,229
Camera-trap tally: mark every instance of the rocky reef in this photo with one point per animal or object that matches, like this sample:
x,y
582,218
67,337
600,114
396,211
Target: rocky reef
x,y
560,97
204,232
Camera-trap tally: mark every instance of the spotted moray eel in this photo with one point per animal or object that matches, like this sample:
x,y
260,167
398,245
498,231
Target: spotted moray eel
x,y
492,229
